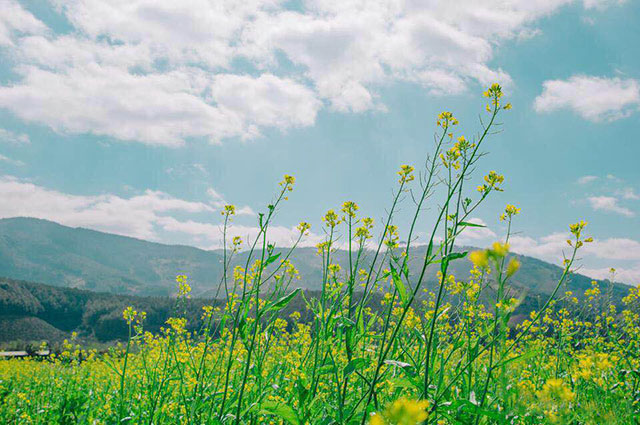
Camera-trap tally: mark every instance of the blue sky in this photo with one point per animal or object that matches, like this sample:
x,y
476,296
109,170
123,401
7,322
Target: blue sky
x,y
144,117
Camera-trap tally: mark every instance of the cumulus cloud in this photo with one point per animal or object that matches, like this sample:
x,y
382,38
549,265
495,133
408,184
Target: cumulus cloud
x,y
472,235
15,20
143,216
549,248
211,234
266,101
162,72
553,247
614,249
610,204
135,216
630,275
157,108
593,98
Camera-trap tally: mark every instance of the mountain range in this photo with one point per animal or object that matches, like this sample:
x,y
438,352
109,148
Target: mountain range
x,y
85,278
43,251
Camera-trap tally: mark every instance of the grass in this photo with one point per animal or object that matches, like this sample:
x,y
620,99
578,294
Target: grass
x,y
435,356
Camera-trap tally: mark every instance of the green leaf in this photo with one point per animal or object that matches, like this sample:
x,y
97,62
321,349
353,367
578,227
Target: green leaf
x,y
399,284
303,392
449,258
361,323
456,255
354,365
467,224
271,259
328,368
284,412
282,302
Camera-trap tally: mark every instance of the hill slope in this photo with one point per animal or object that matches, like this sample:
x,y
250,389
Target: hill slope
x,y
34,312
43,251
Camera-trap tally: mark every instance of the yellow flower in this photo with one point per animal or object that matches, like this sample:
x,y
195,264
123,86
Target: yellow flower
x,y
512,267
577,228
303,227
493,181
392,236
556,390
129,314
287,182
402,412
405,173
510,211
331,219
364,231
184,289
500,249
228,210
480,259
445,119
350,208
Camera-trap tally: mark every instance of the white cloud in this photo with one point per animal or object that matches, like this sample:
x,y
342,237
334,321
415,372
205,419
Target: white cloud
x,y
188,31
549,248
471,235
159,108
593,98
135,216
15,138
161,72
211,234
630,275
11,161
15,20
616,251
143,216
266,101
587,179
610,204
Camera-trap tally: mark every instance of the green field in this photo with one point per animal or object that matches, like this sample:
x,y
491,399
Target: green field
x,y
375,344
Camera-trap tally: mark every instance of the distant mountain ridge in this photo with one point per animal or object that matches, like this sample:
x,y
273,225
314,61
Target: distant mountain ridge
x,y
43,251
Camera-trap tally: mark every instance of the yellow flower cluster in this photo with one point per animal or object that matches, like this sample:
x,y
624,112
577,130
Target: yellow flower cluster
x,y
406,174
402,412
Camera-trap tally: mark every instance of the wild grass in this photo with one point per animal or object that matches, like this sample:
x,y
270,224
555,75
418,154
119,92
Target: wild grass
x,y
425,355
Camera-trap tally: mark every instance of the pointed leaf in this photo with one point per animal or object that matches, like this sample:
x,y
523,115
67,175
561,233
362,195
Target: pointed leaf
x,y
271,259
468,224
284,412
284,301
399,284
354,365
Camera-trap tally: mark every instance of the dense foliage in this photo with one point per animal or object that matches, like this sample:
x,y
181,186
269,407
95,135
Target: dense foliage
x,y
442,357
